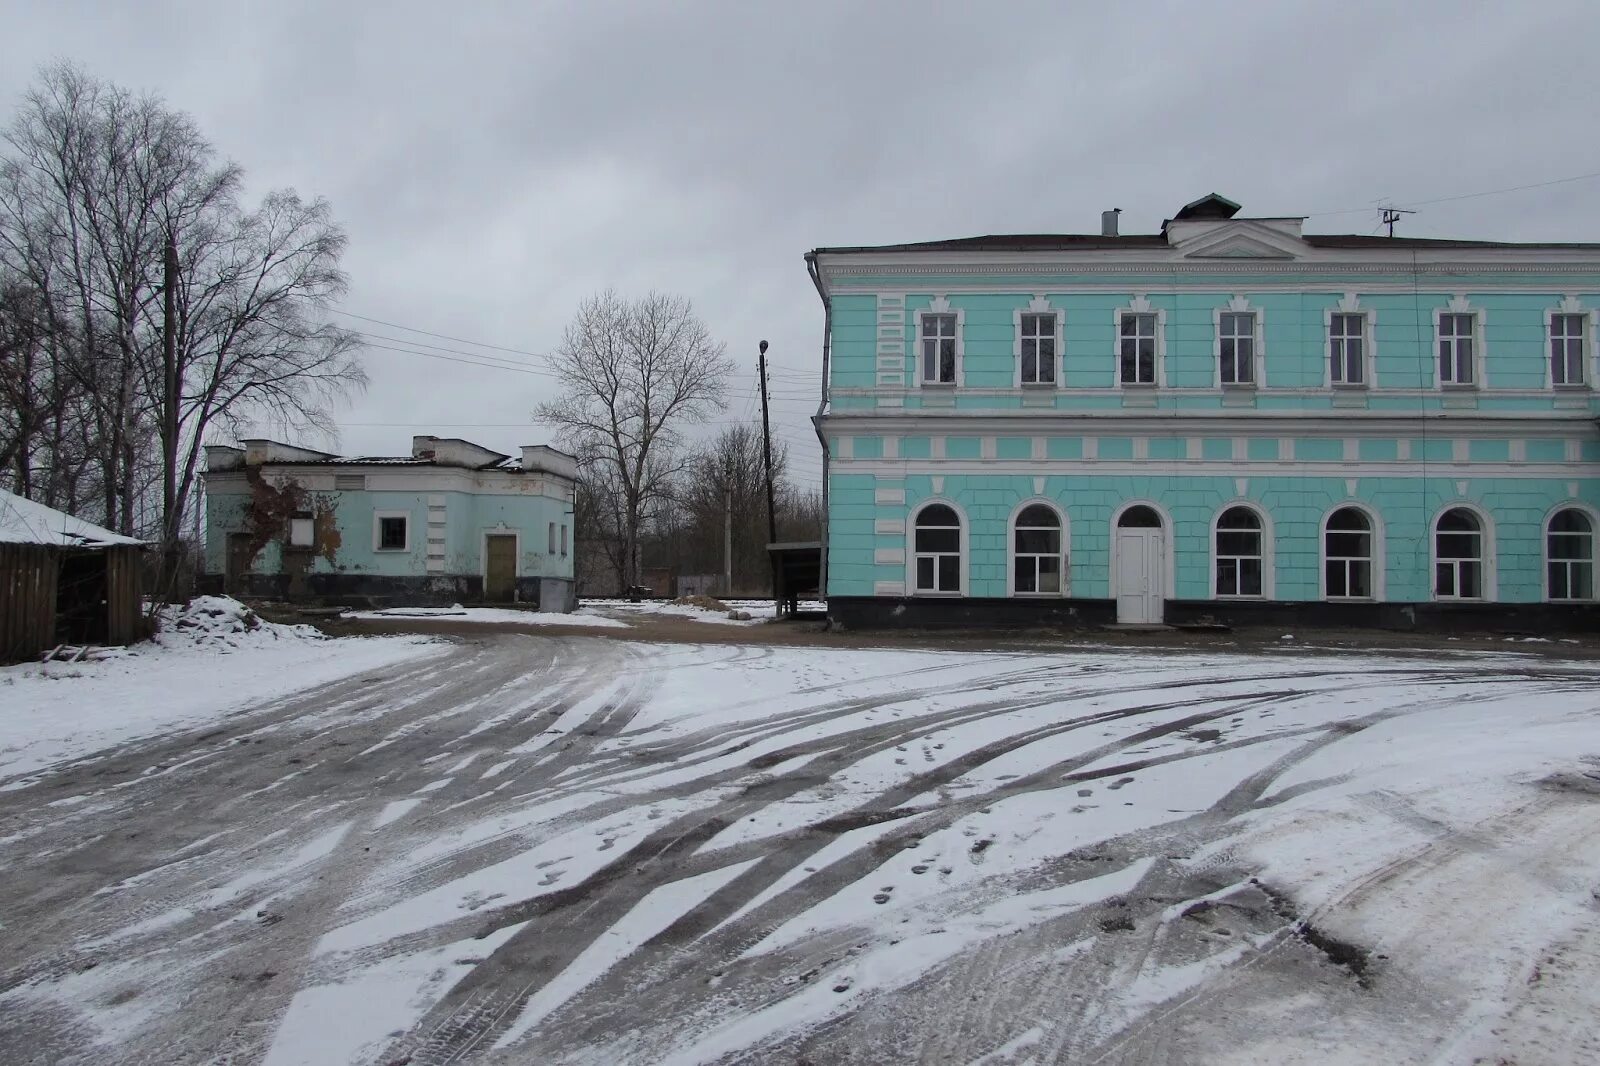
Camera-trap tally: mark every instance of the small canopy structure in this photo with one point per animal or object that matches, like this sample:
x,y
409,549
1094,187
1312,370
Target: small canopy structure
x,y
64,581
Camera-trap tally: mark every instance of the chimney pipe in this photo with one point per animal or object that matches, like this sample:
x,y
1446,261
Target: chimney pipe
x,y
1108,222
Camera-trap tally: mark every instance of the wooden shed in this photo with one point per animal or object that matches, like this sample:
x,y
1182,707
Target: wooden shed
x,y
64,581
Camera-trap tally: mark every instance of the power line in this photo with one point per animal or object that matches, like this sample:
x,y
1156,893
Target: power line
x,y
443,336
1464,196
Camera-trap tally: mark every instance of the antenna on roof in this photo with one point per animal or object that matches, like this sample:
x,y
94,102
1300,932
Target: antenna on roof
x,y
1391,215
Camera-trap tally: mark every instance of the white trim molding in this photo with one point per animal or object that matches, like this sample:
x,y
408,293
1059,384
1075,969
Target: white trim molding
x,y
1486,553
1375,561
1350,304
1571,305
1011,550
1268,554
1238,305
1039,305
1170,583
1594,550
1460,305
1139,305
377,530
964,554
940,305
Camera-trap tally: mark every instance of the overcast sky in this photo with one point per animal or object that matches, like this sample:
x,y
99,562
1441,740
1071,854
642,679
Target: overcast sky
x,y
495,163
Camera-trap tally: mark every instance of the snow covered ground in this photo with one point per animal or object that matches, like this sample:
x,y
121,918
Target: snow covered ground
x,y
200,669
758,610
458,613
572,850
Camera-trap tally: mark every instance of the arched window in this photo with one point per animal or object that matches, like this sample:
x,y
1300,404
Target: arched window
x,y
1569,555
1458,556
1238,554
1347,555
1139,517
1037,562
937,547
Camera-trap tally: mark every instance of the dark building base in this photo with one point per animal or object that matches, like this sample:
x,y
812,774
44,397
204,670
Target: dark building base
x,y
377,591
872,612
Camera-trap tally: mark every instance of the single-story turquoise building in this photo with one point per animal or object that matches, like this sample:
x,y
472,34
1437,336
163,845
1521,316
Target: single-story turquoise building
x,y
450,522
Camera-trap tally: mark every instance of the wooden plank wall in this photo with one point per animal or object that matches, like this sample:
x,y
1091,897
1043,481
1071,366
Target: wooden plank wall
x,y
125,622
28,574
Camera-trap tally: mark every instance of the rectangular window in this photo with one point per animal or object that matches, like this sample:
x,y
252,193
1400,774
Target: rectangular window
x,y
301,530
1236,338
392,533
1137,357
939,349
1566,349
563,540
1347,342
552,538
1457,349
1038,349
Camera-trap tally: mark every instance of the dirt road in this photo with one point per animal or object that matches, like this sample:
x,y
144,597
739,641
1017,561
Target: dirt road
x,y
565,849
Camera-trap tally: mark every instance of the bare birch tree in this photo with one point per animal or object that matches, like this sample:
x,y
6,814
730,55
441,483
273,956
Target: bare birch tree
x,y
634,374
95,184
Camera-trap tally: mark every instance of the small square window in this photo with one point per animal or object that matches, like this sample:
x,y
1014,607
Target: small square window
x,y
301,530
392,533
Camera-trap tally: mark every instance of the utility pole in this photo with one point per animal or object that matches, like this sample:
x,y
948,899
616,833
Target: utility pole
x,y
1391,215
766,449
727,539
171,521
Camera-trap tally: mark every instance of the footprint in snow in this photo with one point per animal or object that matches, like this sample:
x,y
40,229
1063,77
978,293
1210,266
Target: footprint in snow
x,y
1119,783
606,844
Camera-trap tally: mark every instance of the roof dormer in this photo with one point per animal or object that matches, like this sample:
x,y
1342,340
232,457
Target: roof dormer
x,y
1207,229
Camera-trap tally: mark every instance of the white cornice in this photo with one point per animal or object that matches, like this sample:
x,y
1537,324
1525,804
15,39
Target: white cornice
x,y
1340,423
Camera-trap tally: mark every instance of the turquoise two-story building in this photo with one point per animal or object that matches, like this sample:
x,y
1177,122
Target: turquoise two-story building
x,y
1230,419
450,522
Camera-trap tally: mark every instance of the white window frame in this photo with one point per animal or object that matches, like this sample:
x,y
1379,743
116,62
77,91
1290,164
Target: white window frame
x,y
1586,345
1239,305
1039,305
1139,305
1486,578
963,555
1267,541
302,530
940,305
1349,305
1458,306
1065,554
377,530
1375,562
1594,539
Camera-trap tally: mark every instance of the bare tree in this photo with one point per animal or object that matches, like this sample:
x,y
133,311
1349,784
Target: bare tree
x,y
96,185
722,497
634,374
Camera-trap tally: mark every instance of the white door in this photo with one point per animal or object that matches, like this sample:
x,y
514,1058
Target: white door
x,y
1141,561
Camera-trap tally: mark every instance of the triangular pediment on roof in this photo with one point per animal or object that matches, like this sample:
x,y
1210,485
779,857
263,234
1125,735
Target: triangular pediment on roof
x,y
1243,239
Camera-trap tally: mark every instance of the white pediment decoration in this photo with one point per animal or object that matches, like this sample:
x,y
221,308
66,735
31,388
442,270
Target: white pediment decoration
x,y
1139,305
1350,303
1242,240
939,306
1239,304
1459,304
1039,304
1571,305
